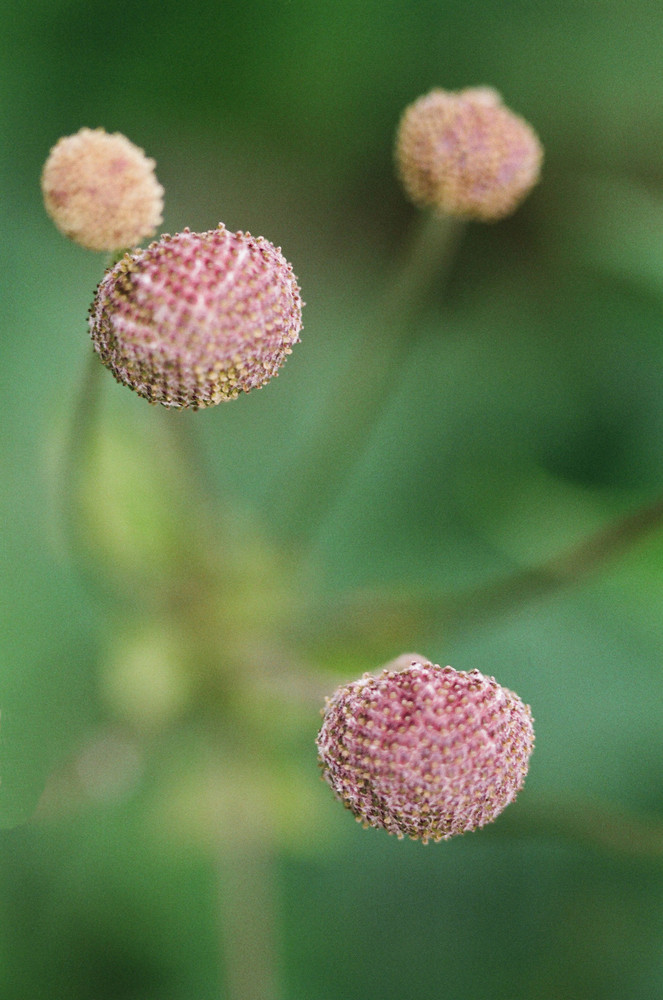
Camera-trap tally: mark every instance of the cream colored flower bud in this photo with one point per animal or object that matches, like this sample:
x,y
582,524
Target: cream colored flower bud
x,y
466,154
100,190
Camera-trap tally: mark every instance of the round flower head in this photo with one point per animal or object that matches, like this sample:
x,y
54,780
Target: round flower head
x,y
427,752
466,154
197,318
101,191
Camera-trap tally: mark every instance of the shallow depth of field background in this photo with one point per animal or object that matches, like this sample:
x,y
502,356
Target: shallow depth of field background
x,y
528,414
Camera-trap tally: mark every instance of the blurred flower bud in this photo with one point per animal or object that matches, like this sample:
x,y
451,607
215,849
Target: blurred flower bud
x,y
427,752
197,318
466,154
101,191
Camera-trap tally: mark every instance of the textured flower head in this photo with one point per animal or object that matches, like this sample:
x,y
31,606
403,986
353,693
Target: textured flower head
x,y
101,191
197,318
427,751
466,154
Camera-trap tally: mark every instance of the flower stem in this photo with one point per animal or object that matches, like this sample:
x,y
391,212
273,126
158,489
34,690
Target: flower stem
x,y
562,570
600,825
77,453
195,473
393,617
248,921
371,375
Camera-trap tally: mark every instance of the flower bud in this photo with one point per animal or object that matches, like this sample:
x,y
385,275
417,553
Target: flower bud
x,y
466,154
101,191
197,318
427,752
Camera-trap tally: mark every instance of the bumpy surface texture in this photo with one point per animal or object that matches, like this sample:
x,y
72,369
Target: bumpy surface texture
x,y
425,752
466,154
101,191
197,318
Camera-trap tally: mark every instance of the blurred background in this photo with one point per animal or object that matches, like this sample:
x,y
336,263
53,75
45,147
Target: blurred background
x,y
175,609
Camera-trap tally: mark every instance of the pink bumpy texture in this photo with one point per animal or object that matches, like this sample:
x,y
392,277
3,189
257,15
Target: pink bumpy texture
x,y
466,154
197,318
425,752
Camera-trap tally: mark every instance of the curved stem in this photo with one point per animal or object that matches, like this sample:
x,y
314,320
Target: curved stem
x,y
352,411
75,460
393,617
562,570
248,920
187,452
599,825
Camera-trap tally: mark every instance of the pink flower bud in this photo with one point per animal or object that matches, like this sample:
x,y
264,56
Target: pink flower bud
x,y
197,318
427,752
466,154
100,190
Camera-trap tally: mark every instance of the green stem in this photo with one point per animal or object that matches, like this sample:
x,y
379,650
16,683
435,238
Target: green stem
x,y
395,617
75,461
599,825
371,375
563,570
182,428
248,922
